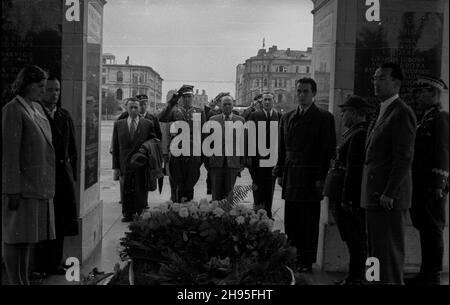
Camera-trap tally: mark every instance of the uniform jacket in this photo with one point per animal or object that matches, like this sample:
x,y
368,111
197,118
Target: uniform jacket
x,y
148,116
177,113
63,139
351,155
234,161
430,165
28,156
124,147
260,116
306,145
389,156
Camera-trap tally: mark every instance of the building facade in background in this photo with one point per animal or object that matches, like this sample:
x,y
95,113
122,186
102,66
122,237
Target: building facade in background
x,y
125,80
274,70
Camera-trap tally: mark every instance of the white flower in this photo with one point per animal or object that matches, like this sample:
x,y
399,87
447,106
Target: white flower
x,y
204,208
233,212
193,209
176,207
164,207
218,212
183,212
214,204
240,220
253,221
261,213
268,223
156,210
204,201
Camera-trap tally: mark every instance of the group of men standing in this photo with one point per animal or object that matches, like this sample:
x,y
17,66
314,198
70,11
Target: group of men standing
x,y
389,163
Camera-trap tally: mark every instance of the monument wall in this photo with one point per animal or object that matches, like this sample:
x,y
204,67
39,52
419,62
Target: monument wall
x,y
413,33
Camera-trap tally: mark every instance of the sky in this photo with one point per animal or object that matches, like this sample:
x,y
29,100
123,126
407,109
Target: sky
x,y
200,42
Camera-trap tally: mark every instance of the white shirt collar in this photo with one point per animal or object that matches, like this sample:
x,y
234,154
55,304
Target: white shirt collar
x,y
300,108
270,112
136,120
51,112
230,115
385,104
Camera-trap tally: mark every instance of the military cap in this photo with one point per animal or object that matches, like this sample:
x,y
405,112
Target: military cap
x,y
220,95
186,90
142,97
357,102
424,81
258,97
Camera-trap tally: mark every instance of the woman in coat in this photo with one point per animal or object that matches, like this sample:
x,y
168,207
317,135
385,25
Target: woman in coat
x,y
28,176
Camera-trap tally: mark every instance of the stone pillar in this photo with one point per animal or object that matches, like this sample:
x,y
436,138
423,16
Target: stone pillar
x,y
346,51
80,95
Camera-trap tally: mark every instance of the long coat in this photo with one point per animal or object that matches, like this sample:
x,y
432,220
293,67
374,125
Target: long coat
x,y
306,144
63,138
431,164
28,161
351,154
233,161
123,147
389,156
148,116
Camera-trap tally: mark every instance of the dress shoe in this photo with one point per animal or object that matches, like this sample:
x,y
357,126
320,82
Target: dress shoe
x,y
127,219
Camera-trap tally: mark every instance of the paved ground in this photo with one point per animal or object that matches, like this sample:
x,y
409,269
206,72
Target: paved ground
x,y
107,255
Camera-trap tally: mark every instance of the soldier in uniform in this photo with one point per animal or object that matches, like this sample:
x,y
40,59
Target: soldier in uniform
x,y
185,170
430,179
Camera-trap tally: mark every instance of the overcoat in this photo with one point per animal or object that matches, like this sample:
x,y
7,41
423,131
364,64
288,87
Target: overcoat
x,y
306,144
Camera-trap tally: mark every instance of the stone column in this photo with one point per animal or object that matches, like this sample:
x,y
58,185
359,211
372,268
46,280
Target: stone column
x,y
347,48
80,95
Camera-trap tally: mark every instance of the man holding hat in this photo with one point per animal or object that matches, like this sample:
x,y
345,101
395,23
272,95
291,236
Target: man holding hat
x,y
345,206
184,170
430,178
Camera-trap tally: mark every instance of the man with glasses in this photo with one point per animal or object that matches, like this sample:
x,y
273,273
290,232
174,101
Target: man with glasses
x,y
430,178
386,188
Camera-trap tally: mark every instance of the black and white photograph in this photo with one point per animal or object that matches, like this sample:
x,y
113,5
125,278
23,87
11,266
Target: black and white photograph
x,y
203,144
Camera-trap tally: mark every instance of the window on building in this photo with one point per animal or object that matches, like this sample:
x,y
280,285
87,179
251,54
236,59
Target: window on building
x,y
104,70
141,79
307,69
296,69
119,94
280,98
265,82
103,80
119,76
103,93
281,69
135,78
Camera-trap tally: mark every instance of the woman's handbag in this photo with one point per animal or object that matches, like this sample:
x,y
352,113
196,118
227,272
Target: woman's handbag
x,y
334,182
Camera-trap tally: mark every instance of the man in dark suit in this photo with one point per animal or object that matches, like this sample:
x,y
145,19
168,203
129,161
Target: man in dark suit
x,y
261,175
143,103
184,170
430,179
346,207
307,142
387,182
128,136
50,253
225,169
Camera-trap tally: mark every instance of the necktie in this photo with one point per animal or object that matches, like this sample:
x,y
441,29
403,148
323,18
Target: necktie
x,y
132,128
